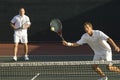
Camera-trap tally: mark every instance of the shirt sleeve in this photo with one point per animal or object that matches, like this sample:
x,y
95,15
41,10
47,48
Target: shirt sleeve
x,y
13,20
103,36
28,20
82,40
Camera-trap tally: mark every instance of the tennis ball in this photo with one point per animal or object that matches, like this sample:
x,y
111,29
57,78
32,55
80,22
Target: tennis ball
x,y
52,29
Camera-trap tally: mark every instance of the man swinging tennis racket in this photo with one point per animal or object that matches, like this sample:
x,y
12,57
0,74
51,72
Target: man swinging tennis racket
x,y
98,41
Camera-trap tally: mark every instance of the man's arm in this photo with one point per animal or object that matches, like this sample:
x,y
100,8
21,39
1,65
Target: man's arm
x,y
26,26
70,44
113,44
12,25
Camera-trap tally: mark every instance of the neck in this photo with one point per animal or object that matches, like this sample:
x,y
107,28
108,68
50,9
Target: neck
x,y
91,33
21,15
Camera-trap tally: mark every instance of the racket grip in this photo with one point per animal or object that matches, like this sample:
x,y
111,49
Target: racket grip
x,y
62,37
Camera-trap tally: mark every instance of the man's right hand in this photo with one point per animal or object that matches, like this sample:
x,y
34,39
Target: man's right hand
x,y
117,49
64,43
67,43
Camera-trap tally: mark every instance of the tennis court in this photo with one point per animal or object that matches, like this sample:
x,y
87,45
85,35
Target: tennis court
x,y
54,67
52,70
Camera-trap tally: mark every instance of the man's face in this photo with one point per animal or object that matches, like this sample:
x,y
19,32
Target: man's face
x,y
88,29
21,11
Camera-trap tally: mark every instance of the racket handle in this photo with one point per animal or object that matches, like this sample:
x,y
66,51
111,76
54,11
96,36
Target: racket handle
x,y
60,34
62,37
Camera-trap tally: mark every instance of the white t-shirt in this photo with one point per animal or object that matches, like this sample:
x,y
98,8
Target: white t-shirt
x,y
19,21
98,42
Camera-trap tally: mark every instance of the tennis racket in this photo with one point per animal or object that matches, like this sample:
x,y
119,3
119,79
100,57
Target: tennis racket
x,y
23,26
56,26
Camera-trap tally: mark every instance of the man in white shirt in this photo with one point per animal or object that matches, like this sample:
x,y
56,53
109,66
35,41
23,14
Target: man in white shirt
x,y
20,23
98,41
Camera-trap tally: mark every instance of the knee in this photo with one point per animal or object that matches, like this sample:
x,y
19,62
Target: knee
x,y
95,67
25,44
109,67
16,45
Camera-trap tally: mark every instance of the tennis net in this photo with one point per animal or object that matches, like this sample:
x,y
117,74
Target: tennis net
x,y
55,70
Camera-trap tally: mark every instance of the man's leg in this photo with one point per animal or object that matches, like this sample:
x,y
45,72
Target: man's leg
x,y
24,40
98,70
15,51
26,51
95,66
113,68
26,48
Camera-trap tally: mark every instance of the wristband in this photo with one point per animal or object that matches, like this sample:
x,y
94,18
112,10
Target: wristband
x,y
69,44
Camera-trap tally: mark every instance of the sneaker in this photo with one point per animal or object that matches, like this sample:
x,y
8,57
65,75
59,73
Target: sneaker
x,y
103,78
26,57
15,58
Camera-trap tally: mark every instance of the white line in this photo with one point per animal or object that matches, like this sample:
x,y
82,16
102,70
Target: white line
x,y
8,64
34,77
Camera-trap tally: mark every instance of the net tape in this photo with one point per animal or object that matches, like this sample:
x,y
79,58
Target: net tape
x,y
51,63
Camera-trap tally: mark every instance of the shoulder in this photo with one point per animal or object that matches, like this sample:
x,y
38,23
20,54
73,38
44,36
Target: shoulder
x,y
100,33
97,31
26,16
85,35
16,16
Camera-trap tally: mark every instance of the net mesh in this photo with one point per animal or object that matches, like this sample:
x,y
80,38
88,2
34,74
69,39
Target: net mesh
x,y
55,70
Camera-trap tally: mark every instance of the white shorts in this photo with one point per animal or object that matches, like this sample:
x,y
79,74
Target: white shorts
x,y
107,56
20,38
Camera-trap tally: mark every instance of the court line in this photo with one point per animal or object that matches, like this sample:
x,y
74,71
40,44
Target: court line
x,y
34,77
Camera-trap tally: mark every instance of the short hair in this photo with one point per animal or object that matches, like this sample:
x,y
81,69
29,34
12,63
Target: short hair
x,y
88,23
21,8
